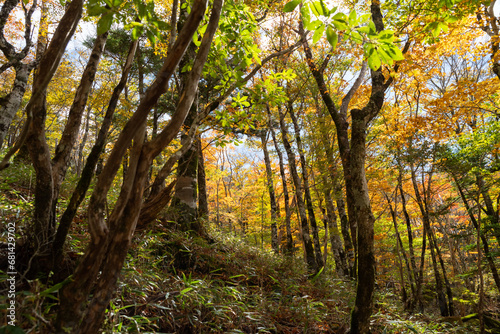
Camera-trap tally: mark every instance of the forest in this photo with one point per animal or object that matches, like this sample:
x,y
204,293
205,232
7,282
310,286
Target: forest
x,y
249,166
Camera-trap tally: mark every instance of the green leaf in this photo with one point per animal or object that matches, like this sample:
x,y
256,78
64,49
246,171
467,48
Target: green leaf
x,y
306,16
356,37
164,26
195,39
324,9
314,25
396,53
340,21
142,10
364,18
104,23
94,9
290,6
364,29
374,61
373,29
451,19
318,9
332,37
385,57
352,18
184,291
151,37
386,36
55,287
318,33
136,32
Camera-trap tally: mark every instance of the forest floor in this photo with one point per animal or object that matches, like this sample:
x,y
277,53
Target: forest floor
x,y
174,282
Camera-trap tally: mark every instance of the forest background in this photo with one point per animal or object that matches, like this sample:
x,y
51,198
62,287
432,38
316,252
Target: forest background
x,y
249,166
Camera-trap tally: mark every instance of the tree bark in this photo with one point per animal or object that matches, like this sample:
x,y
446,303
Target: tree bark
x,y
403,252
43,224
73,295
352,154
423,202
272,196
284,183
9,104
202,182
92,160
486,248
310,257
337,249
307,191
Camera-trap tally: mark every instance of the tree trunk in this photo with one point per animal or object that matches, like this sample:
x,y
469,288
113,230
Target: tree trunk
x,y
487,253
73,295
184,206
344,227
306,238
449,294
417,297
338,252
403,252
490,210
423,206
91,162
307,191
202,183
43,225
286,196
9,104
352,152
272,196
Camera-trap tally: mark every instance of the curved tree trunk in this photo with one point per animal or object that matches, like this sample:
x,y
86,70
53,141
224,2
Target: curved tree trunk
x,y
108,239
90,165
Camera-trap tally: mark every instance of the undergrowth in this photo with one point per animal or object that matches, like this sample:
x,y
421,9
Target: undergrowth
x,y
174,282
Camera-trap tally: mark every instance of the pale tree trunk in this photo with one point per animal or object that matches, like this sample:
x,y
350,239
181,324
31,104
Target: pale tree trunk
x,y
184,206
9,104
81,146
490,24
348,251
111,241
